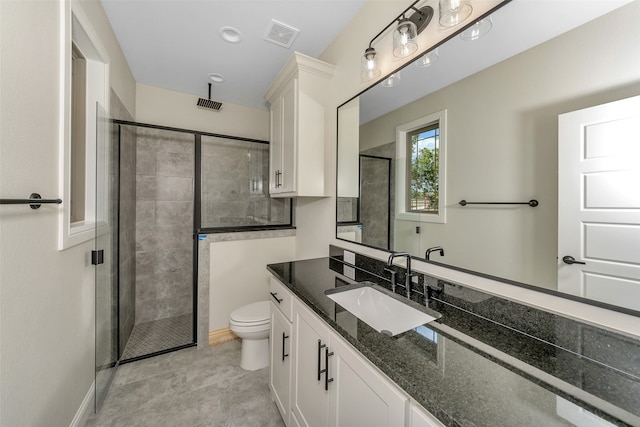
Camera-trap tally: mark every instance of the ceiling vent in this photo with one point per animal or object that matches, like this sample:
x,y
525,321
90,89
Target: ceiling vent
x,y
280,34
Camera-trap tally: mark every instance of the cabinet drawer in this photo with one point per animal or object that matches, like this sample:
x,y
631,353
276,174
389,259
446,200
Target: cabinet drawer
x,y
281,297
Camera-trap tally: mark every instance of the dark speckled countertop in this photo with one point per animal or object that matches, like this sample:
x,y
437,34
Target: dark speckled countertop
x,y
487,361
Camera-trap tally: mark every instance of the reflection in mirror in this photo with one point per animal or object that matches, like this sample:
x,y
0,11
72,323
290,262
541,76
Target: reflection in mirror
x,y
502,94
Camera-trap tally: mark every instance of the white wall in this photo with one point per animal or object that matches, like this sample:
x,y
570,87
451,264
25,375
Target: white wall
x,y
345,52
169,108
238,275
46,295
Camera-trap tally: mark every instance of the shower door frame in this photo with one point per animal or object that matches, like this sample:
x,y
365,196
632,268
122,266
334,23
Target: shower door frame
x,y
197,226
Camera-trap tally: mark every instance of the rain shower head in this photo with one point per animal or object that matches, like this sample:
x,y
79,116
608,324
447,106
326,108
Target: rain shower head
x,y
209,103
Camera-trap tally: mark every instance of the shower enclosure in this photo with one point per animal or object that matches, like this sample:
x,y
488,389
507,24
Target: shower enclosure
x,y
175,184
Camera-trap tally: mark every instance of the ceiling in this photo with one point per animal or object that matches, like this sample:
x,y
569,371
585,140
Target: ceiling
x,y
176,44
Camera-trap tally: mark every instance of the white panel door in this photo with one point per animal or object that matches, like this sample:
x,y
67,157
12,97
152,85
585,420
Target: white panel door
x,y
599,203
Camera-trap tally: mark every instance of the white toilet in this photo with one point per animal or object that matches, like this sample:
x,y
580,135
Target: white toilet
x,y
251,323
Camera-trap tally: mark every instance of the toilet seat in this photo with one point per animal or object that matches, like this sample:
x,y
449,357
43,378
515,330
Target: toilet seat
x,y
255,314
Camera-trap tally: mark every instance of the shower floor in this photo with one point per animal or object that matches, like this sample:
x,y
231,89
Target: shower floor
x,y
158,335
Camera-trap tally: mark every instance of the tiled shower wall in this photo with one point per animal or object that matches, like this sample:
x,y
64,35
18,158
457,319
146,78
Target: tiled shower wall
x,y
164,224
235,185
373,198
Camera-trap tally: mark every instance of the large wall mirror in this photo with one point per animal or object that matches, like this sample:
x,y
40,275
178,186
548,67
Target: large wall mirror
x,y
483,116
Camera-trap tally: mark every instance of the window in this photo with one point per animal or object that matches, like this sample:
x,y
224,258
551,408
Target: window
x,y
85,84
423,165
78,135
420,173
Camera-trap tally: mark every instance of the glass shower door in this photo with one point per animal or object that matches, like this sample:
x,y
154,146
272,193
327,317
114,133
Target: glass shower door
x,y
104,257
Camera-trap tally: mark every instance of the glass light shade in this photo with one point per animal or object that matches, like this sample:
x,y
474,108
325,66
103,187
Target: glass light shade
x,y
428,58
453,12
391,80
477,30
369,69
404,38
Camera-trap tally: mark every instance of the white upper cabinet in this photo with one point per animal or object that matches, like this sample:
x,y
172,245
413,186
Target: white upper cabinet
x,y
299,98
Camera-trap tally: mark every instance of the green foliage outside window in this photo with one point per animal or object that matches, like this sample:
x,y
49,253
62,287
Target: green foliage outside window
x,y
424,172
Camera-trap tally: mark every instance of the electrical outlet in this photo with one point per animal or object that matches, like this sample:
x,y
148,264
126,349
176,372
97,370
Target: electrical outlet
x,y
350,272
350,257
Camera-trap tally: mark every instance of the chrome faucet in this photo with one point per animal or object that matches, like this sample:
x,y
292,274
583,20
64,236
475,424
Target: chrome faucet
x,y
409,275
434,249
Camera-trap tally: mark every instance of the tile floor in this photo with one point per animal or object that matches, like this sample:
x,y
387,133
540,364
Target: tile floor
x,y
163,334
189,388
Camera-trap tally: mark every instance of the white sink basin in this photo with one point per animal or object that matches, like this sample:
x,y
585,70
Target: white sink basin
x,y
380,311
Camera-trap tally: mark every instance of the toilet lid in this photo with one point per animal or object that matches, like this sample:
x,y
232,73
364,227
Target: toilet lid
x,y
255,312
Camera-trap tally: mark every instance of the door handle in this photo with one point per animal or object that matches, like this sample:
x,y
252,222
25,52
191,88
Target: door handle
x,y
327,380
97,257
568,259
320,370
275,296
284,337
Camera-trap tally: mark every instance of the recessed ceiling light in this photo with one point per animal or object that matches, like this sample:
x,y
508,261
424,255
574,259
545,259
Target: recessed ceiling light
x,y
230,34
216,78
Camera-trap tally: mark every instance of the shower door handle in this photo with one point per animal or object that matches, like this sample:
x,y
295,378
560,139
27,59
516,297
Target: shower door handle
x,y
97,257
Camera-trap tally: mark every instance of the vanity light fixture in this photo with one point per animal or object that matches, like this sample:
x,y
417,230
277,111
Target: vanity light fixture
x,y
453,12
477,30
404,38
369,67
428,58
392,80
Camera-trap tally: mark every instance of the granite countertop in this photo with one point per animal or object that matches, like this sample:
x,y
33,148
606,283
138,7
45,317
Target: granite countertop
x,y
487,361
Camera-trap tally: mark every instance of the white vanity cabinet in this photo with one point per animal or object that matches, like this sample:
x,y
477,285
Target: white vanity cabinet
x,y
299,104
318,379
280,348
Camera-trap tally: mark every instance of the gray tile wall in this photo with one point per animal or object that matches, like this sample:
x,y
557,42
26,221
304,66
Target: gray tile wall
x,y
164,224
373,197
127,224
235,185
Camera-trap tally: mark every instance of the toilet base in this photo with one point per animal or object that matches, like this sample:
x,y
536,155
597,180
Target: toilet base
x,y
254,354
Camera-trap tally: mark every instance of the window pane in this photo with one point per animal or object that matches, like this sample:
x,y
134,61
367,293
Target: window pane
x,y
424,170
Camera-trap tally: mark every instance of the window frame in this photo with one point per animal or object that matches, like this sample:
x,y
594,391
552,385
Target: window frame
x,y
403,177
409,142
78,31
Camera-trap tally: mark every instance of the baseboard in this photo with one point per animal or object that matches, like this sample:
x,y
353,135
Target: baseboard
x,y
86,408
221,335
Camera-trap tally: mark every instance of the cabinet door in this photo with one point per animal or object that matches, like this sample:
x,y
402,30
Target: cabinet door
x,y
421,418
289,137
309,398
359,394
275,147
280,366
